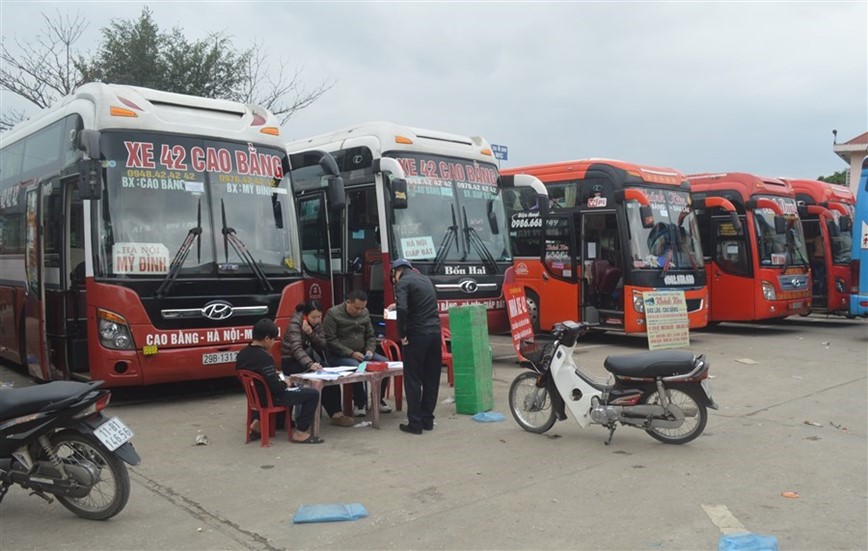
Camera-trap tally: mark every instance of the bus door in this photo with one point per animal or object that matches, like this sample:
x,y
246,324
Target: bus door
x,y
320,200
559,290
363,248
732,289
35,349
314,222
602,278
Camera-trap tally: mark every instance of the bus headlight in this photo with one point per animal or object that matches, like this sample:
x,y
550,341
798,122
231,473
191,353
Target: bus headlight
x,y
113,331
769,291
638,302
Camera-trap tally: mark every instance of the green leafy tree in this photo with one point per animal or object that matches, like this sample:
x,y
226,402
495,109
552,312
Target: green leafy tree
x,y
839,178
138,53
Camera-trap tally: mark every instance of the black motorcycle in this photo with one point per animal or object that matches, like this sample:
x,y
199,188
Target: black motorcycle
x,y
54,439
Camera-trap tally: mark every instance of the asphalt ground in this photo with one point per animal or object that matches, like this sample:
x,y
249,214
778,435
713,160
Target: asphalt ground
x,y
793,421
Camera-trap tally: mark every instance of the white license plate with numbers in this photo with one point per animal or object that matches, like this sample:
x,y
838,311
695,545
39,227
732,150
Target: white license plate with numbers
x,y
213,358
113,433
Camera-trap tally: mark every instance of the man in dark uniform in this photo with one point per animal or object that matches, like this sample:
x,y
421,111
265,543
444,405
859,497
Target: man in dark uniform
x,y
257,358
419,331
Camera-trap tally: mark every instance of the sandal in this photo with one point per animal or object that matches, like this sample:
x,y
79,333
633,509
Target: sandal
x,y
310,440
255,435
343,421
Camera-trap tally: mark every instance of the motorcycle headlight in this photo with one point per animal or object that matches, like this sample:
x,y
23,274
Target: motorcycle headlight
x,y
638,303
769,291
113,331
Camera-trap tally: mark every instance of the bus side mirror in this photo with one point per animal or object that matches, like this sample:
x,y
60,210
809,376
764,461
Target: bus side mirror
x,y
399,193
330,166
845,223
277,210
492,218
89,179
736,223
780,224
336,195
542,203
647,216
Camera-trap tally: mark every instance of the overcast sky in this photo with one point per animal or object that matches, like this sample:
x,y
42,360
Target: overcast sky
x,y
728,86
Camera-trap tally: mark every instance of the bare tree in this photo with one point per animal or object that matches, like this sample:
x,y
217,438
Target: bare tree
x,y
270,88
43,69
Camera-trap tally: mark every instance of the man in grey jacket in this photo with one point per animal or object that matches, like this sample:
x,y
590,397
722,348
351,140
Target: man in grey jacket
x,y
350,338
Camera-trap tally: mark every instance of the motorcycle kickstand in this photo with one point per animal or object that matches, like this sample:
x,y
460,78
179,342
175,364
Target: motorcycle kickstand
x,y
41,494
611,428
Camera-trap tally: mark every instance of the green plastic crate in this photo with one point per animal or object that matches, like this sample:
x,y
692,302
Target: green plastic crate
x,y
471,359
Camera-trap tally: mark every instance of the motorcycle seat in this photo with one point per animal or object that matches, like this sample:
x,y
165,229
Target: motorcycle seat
x,y
657,363
15,402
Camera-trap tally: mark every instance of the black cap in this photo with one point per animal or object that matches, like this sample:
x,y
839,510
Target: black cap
x,y
401,262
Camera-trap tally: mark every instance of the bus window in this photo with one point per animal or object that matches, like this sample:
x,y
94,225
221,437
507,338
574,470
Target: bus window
x,y
730,251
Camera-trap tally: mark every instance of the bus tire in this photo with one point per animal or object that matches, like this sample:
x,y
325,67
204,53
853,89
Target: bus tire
x,y
532,301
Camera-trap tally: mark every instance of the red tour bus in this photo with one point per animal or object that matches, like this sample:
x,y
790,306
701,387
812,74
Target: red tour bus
x,y
142,234
826,211
614,230
759,268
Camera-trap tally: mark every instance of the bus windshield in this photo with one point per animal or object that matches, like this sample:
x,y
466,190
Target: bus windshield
x,y
215,201
454,213
780,249
673,241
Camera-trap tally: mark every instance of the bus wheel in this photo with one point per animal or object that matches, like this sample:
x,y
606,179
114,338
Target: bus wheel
x,y
532,301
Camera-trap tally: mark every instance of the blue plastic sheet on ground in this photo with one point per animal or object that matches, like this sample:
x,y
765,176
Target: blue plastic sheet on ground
x,y
329,512
747,542
488,417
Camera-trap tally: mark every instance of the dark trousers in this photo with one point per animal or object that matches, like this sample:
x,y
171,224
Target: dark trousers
x,y
331,395
360,395
422,368
304,399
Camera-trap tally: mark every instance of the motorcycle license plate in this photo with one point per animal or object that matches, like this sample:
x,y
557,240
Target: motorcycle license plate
x,y
706,386
213,358
113,433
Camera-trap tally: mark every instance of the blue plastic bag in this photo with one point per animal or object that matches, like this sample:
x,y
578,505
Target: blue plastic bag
x,y
747,542
488,417
329,512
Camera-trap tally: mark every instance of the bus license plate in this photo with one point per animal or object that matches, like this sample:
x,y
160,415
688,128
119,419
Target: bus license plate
x,y
796,306
113,433
213,358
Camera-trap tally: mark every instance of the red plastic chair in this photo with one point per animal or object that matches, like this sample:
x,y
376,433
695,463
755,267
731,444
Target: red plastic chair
x,y
267,413
446,351
392,351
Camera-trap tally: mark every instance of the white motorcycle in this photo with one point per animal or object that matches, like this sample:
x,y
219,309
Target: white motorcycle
x,y
666,392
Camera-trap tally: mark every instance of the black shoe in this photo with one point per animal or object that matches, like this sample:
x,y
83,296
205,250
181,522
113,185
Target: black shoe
x,y
408,428
428,427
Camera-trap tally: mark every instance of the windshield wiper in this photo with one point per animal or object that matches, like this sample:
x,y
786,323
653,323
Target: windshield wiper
x,y
181,255
446,244
229,238
471,237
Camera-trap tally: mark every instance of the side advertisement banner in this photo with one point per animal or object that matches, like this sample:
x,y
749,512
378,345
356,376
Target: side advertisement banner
x,y
519,319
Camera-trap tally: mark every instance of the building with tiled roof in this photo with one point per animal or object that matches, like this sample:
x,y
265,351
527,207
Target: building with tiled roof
x,y
855,153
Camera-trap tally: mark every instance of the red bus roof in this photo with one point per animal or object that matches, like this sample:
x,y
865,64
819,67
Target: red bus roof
x,y
744,183
570,170
821,192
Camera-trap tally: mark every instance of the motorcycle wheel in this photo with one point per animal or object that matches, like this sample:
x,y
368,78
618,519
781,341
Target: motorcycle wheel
x,y
695,416
109,495
530,405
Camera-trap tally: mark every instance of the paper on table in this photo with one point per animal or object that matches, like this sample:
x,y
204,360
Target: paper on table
x,y
395,365
339,369
322,375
